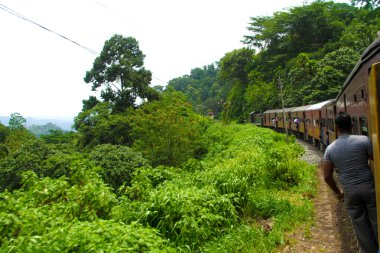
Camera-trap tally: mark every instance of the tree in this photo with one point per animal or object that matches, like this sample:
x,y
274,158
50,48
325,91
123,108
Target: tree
x,y
89,103
167,131
258,93
16,122
234,71
99,126
119,72
367,4
331,73
297,82
118,163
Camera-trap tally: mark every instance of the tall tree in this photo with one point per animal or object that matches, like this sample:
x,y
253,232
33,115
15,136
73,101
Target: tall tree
x,y
16,122
119,72
367,4
167,131
234,69
331,73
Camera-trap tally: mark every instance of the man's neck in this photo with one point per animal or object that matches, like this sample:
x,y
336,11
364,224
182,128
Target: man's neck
x,y
344,133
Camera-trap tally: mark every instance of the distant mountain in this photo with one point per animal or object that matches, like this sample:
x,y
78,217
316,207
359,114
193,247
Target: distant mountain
x,y
63,123
39,130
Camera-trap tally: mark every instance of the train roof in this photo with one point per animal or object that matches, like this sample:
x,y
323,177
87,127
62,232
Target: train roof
x,y
368,53
318,106
300,108
289,109
272,111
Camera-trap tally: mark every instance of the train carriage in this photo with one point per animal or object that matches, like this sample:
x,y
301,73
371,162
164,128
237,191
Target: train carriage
x,y
353,98
283,119
289,120
298,114
256,118
313,121
270,118
328,133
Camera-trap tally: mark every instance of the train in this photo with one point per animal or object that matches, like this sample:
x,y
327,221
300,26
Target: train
x,y
359,96
315,122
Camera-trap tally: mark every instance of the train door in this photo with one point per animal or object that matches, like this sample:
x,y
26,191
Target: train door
x,y
374,112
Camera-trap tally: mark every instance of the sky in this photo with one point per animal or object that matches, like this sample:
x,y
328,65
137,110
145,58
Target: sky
x,y
41,73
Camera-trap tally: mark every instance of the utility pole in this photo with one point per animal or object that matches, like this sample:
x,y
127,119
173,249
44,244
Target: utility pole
x,y
281,86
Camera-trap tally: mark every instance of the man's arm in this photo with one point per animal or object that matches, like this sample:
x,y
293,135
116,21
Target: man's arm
x,y
328,169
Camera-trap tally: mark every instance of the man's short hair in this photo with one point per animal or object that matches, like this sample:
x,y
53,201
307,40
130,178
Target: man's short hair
x,y
343,121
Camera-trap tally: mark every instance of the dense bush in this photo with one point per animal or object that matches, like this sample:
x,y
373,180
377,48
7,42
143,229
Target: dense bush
x,y
69,215
188,216
45,160
167,131
118,163
29,156
245,194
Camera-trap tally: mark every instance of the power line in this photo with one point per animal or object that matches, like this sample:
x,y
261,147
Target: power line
x,y
13,12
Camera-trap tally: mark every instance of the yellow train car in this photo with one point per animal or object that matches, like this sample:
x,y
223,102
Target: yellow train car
x,y
270,118
298,117
313,121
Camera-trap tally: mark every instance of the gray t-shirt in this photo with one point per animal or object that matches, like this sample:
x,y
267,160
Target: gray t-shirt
x,y
349,153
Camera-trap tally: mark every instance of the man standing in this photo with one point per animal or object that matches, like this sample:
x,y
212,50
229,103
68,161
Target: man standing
x,y
349,154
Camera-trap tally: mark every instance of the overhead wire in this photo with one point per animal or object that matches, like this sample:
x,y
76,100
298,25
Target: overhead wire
x,y
13,12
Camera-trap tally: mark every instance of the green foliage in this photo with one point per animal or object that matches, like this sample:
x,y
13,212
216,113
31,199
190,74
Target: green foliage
x,y
145,179
331,72
36,155
59,137
167,131
16,122
69,214
234,70
99,126
29,156
201,89
188,216
265,204
367,4
16,138
4,132
219,203
45,129
96,236
120,74
118,163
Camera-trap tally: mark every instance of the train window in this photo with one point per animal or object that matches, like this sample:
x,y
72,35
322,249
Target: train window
x,y
363,126
355,125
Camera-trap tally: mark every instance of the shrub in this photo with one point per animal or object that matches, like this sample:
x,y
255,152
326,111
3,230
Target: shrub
x,y
29,156
118,163
187,216
96,236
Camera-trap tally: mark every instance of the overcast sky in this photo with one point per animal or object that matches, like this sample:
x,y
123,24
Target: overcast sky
x,y
41,73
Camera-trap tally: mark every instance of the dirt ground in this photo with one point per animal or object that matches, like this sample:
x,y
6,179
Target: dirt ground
x,y
333,230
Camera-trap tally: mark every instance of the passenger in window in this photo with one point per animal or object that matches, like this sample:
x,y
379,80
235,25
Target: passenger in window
x,y
349,154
